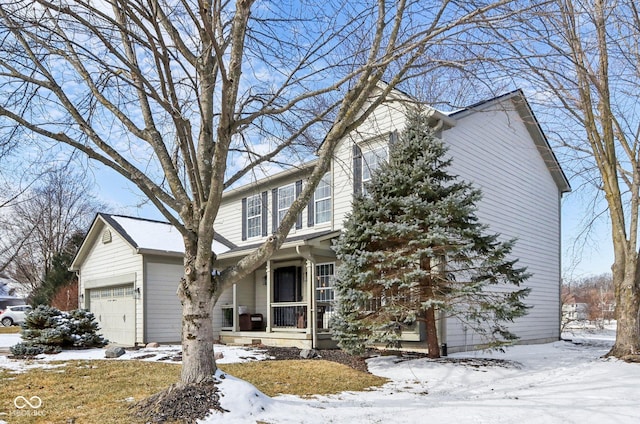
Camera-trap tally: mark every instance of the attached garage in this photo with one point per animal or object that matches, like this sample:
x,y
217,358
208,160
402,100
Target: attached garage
x,y
128,271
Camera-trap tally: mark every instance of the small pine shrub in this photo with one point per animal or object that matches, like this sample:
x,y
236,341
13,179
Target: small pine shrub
x,y
26,350
48,330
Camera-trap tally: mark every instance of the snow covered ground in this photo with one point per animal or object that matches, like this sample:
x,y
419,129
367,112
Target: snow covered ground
x,y
561,382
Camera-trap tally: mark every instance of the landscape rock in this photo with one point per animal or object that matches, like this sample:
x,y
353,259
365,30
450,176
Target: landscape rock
x,y
153,344
218,355
114,352
308,353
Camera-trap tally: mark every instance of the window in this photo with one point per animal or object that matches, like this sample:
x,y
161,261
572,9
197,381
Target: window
x,y
286,196
371,161
254,216
324,282
322,200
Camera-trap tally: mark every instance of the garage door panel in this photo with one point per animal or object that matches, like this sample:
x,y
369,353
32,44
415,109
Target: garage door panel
x,y
114,309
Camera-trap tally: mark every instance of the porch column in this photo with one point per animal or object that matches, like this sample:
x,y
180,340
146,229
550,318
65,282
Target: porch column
x,y
236,317
310,295
269,297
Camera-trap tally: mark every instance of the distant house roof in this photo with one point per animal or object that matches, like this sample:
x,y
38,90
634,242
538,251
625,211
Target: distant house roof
x,y
146,236
6,289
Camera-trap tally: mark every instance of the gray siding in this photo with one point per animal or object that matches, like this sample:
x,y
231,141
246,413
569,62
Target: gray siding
x,y
493,150
164,311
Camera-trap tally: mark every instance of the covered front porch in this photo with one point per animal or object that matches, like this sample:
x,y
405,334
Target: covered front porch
x,y
287,302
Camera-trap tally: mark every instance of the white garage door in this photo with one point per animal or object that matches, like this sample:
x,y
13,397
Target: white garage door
x,y
115,311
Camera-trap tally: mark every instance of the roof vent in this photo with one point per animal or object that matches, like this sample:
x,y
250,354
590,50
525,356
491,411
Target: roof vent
x,y
106,236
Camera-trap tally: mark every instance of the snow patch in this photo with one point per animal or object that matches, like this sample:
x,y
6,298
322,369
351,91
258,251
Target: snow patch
x,y
243,401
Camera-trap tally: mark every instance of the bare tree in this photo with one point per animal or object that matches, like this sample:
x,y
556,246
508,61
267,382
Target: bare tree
x,y
12,191
175,95
582,57
45,220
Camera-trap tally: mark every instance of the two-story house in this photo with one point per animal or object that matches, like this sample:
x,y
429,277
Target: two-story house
x,y
497,145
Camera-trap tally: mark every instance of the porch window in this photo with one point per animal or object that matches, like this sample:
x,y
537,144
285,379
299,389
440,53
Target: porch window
x,y
324,282
322,199
254,216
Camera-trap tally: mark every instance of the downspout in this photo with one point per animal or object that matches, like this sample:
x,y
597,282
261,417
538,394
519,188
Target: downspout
x,y
80,292
312,313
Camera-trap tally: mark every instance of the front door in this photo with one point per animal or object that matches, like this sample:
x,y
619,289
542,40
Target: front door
x,y
287,284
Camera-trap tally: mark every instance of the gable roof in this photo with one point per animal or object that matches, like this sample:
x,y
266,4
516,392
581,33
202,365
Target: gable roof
x,y
532,125
145,236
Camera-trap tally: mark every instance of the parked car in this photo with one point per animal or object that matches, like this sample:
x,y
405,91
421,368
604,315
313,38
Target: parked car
x,y
14,315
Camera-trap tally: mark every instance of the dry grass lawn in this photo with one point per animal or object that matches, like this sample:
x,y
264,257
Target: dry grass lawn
x,y
9,330
103,391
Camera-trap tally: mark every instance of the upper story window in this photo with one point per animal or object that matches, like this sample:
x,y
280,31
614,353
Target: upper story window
x,y
371,161
322,200
366,161
282,198
286,196
254,216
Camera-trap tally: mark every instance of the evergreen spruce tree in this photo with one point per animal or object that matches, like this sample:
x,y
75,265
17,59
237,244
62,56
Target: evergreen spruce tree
x,y
413,246
58,275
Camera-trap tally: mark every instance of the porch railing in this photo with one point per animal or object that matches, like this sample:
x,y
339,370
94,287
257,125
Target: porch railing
x,y
323,314
289,315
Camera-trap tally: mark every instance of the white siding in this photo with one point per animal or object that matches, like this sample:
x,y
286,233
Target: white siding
x,y
163,308
108,264
226,298
261,293
245,292
493,150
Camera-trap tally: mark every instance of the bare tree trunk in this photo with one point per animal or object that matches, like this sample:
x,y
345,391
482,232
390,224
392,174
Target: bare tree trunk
x,y
430,313
196,295
627,308
432,333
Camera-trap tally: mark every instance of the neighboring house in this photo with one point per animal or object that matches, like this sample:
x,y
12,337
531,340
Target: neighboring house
x,y
575,312
7,293
128,272
497,145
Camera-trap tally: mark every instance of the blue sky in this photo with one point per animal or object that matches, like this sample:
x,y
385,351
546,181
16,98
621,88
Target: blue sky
x,y
584,252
